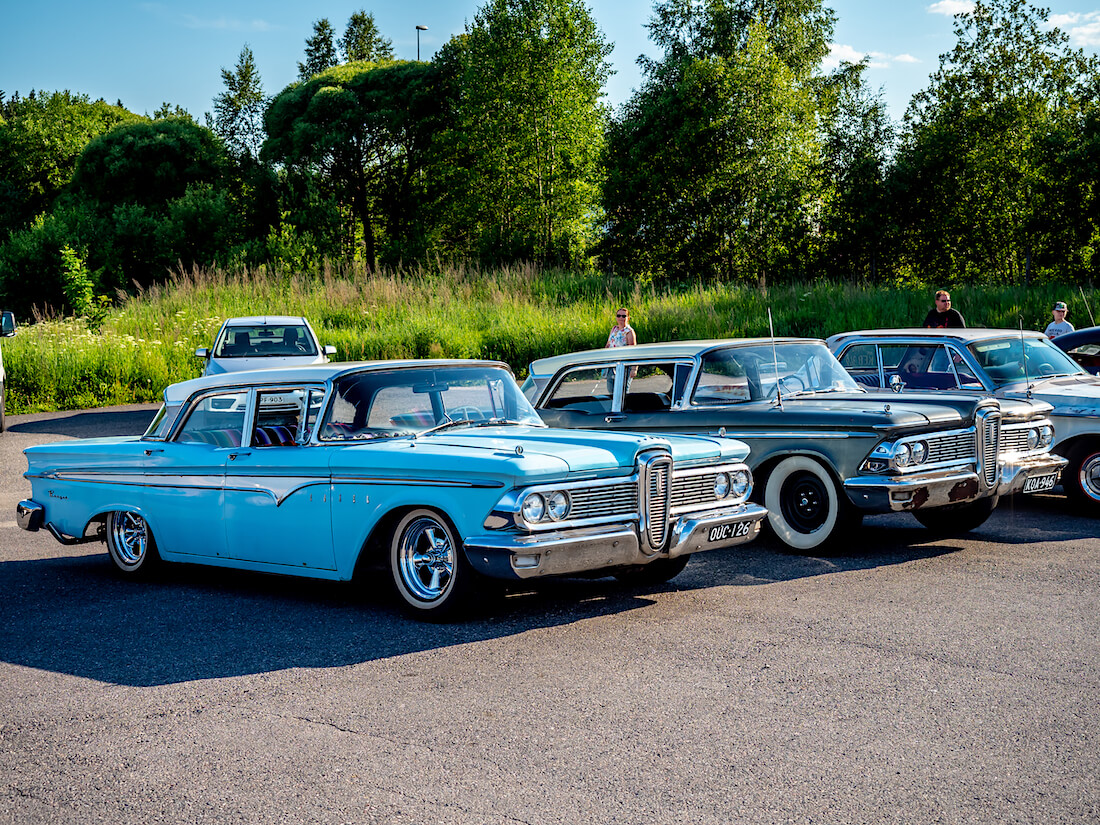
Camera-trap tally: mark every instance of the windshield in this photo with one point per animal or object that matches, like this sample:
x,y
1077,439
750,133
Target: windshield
x,y
395,402
262,340
162,422
1008,360
752,373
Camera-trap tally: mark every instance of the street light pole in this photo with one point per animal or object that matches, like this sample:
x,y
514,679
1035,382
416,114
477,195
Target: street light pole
x,y
418,30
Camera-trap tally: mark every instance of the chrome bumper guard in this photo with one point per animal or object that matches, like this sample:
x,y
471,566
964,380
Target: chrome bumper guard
x,y
886,494
532,555
29,515
1017,472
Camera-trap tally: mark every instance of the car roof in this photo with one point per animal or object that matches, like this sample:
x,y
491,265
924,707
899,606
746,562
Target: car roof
x,y
264,320
967,335
1086,335
309,374
671,349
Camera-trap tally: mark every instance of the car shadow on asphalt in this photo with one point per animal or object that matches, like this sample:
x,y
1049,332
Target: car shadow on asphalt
x,y
133,420
73,615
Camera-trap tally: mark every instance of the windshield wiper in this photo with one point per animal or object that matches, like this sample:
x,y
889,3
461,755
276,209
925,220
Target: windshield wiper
x,y
447,425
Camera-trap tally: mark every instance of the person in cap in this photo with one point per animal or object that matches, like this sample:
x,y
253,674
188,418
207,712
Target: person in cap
x,y
1059,326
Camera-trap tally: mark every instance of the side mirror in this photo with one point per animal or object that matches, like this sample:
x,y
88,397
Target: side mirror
x,y
202,352
329,349
896,384
7,324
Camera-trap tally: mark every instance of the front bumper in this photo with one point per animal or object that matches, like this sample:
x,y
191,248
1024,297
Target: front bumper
x,y
533,555
888,494
1045,469
29,515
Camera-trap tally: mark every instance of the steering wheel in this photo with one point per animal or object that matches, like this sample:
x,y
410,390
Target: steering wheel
x,y
468,413
787,379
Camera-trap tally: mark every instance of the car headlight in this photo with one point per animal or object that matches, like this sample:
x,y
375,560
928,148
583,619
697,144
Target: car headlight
x,y
903,455
740,483
534,508
920,451
721,485
1032,438
1046,435
557,505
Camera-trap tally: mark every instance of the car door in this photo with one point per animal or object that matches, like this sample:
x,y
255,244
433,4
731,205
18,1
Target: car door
x,y
277,488
185,475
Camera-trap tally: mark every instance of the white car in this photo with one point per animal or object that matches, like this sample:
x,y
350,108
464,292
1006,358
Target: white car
x,y
261,342
7,330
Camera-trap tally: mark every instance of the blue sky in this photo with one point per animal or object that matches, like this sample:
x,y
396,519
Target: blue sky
x,y
146,53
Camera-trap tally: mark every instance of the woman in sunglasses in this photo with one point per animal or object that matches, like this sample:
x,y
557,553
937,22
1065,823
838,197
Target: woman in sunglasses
x,y
622,334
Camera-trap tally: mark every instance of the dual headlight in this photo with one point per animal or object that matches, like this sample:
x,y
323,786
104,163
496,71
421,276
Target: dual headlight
x,y
732,485
1041,436
552,505
910,454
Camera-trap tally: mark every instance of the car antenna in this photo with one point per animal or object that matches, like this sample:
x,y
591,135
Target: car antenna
x,y
775,361
1092,320
1023,358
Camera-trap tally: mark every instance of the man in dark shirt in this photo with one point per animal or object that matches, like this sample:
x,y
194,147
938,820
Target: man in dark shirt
x,y
942,316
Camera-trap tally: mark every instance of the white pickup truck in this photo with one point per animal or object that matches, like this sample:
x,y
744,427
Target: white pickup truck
x,y
7,330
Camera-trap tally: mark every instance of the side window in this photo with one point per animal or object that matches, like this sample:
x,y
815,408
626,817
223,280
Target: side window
x,y
722,380
650,388
966,378
861,362
586,389
279,414
217,420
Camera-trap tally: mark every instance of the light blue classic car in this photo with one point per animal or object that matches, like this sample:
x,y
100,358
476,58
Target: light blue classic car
x,y
439,470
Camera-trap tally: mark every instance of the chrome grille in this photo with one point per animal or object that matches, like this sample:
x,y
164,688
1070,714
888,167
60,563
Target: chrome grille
x,y
989,434
691,490
608,500
655,476
955,446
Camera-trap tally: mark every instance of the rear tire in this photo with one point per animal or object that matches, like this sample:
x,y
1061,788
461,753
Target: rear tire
x,y
956,519
1081,477
131,545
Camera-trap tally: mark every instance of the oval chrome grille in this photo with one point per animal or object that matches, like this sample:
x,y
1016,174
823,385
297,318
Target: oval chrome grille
x,y
989,434
655,479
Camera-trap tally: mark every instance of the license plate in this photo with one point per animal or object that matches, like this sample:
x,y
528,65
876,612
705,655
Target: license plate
x,y
1040,484
724,532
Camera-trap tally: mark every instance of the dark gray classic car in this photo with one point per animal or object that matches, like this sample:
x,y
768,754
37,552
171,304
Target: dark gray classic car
x,y
824,450
1004,363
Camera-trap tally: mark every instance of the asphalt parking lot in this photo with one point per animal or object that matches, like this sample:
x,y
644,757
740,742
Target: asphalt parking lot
x,y
909,680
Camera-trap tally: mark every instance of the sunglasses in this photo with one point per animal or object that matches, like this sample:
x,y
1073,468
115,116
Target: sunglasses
x,y
620,316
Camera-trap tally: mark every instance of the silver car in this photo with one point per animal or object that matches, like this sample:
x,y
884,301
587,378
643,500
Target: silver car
x,y
1000,362
262,342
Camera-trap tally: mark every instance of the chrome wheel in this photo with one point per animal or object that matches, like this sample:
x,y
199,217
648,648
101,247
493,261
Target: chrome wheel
x,y
428,567
130,543
1081,478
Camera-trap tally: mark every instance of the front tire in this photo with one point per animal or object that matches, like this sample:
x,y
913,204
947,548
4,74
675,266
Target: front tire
x,y
1081,477
429,568
131,545
956,519
806,510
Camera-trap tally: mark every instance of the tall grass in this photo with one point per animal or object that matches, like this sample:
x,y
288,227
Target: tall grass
x,y
514,314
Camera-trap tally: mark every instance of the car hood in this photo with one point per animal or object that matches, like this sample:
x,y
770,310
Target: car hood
x,y
217,366
1069,394
582,451
878,410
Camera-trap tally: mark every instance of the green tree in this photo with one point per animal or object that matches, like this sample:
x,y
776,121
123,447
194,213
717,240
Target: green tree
x,y
713,164
239,110
363,41
361,130
41,138
320,50
519,161
976,182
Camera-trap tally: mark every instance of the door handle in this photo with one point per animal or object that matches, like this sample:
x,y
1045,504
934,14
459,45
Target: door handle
x,y
611,419
151,451
233,456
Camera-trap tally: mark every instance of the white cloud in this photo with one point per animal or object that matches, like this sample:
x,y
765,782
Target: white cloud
x,y
876,60
951,7
1083,29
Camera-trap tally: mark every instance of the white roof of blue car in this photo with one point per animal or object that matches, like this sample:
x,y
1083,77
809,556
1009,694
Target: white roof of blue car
x,y
968,335
309,374
264,321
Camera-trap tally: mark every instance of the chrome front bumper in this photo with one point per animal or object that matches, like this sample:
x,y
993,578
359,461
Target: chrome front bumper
x,y
886,494
1016,472
532,555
